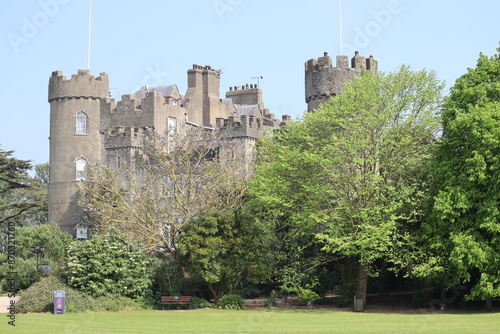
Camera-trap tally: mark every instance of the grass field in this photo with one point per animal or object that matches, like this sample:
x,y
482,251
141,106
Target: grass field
x,y
253,321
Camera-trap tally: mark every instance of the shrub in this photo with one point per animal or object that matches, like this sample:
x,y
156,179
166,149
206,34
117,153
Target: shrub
x,y
38,298
109,264
250,291
231,302
117,303
25,269
148,301
346,294
271,301
198,302
307,296
49,235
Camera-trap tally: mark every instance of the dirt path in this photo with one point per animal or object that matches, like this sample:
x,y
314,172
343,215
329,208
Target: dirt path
x,y
5,303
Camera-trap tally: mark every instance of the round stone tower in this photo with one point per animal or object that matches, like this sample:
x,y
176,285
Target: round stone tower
x,y
75,139
322,80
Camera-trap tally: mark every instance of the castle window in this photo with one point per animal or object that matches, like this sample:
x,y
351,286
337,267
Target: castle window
x,y
81,173
81,123
172,125
175,102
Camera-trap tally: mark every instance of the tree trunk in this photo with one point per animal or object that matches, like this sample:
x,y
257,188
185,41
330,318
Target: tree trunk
x,y
360,296
211,287
216,294
488,304
383,278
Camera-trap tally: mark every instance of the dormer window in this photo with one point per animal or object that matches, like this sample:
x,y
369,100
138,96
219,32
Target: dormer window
x,y
81,123
175,102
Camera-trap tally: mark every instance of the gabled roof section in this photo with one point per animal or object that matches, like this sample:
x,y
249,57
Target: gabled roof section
x,y
166,91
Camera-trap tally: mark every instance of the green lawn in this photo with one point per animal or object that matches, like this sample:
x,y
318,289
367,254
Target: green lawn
x,y
251,321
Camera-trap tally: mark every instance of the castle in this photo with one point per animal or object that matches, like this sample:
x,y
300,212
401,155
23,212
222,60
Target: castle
x,y
87,126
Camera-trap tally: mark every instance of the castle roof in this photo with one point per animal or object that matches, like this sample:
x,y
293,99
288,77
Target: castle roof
x,y
249,110
166,91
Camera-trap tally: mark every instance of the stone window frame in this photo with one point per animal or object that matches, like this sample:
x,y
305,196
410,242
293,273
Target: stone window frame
x,y
80,168
81,123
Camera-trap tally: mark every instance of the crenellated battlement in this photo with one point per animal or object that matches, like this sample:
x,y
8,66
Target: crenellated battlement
x,y
128,104
358,63
241,127
123,137
81,85
323,80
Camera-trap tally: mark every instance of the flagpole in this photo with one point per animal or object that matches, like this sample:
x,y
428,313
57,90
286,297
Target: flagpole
x,y
340,30
90,30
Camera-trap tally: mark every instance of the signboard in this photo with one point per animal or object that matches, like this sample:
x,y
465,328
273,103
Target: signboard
x,y
59,302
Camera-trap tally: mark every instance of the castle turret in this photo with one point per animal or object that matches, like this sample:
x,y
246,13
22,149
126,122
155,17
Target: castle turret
x,y
75,139
323,81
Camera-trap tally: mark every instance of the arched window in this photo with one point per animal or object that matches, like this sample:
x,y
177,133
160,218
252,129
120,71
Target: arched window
x,y
81,122
81,164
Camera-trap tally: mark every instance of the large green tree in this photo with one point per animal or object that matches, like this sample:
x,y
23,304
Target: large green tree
x,y
464,228
225,248
23,202
50,261
20,194
351,172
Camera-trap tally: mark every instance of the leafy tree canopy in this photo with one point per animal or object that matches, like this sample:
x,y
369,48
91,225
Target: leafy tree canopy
x,y
20,194
25,265
464,228
351,172
225,248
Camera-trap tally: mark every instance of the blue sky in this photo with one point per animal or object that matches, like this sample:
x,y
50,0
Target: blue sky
x,y
155,42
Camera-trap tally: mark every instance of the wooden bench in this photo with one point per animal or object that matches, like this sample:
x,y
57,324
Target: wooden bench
x,y
176,300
